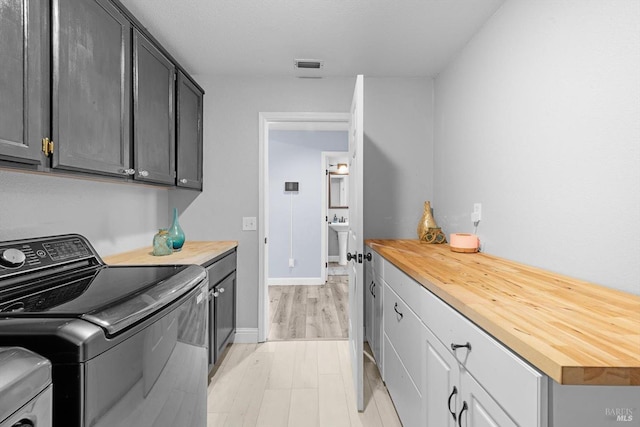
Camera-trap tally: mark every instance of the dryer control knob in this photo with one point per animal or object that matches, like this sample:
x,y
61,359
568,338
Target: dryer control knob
x,y
12,258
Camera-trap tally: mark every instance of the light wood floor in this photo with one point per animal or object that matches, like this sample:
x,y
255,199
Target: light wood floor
x,y
310,312
295,384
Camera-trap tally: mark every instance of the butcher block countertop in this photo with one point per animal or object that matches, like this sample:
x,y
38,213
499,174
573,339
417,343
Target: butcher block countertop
x,y
193,252
573,331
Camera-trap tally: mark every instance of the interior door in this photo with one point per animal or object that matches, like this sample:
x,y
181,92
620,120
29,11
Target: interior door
x,y
355,245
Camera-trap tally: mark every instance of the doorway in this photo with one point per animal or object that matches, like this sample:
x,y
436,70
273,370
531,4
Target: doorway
x,y
270,124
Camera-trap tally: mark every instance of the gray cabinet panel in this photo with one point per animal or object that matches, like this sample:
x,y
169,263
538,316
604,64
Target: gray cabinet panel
x,y
225,313
153,112
189,131
91,86
23,80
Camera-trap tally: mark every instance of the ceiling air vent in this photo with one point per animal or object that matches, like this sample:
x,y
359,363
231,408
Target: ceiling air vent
x,y
308,64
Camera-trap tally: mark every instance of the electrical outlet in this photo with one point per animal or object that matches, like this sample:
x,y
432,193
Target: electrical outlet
x,y
249,223
292,262
476,215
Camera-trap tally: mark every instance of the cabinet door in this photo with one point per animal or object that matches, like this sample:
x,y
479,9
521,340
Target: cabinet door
x,y
442,393
225,312
211,335
153,113
406,397
24,80
478,408
91,87
368,304
189,134
376,321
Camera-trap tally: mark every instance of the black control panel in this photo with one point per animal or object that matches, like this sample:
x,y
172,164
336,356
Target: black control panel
x,y
20,256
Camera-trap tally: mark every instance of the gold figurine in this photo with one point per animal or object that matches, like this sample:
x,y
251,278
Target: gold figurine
x,y
428,230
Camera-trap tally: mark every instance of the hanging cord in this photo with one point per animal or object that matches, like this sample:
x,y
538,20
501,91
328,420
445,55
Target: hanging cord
x,y
291,228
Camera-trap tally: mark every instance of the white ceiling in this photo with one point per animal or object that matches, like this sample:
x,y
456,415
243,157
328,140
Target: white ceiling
x,y
262,37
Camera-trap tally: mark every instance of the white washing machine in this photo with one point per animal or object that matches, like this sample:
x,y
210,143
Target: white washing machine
x,y
25,389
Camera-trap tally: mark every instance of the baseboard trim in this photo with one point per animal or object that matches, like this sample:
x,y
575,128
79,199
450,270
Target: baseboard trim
x,y
246,336
290,281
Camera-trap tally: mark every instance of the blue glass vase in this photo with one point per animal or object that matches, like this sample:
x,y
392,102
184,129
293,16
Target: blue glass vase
x,y
176,233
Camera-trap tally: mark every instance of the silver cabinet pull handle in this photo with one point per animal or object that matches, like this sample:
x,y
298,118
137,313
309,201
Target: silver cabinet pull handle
x,y
184,180
129,171
221,290
143,173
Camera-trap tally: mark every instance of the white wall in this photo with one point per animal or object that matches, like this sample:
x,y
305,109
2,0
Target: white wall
x,y
114,217
231,107
539,119
296,155
398,159
398,155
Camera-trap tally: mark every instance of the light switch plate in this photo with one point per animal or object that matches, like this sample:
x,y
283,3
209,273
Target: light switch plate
x,y
249,223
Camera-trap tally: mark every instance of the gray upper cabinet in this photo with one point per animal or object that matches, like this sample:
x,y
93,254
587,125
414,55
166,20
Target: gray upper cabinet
x,y
91,92
24,81
153,113
189,133
85,89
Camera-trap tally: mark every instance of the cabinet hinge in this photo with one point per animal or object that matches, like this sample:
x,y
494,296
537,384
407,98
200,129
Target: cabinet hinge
x,y
47,146
326,171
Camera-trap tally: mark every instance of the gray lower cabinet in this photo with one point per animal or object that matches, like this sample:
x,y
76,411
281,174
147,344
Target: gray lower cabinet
x,y
189,133
153,113
222,305
24,80
91,87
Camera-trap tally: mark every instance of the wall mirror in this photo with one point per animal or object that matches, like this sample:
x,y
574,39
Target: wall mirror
x,y
338,186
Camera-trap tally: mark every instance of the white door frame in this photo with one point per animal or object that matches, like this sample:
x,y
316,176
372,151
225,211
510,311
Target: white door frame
x,y
280,121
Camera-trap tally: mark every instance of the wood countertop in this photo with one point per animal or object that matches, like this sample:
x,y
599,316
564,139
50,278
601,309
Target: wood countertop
x,y
193,252
573,331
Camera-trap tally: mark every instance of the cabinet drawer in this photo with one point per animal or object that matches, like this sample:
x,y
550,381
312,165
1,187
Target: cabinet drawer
x,y
406,397
408,289
377,264
508,379
221,268
406,333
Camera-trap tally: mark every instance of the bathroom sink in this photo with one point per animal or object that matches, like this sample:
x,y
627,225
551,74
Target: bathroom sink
x,y
339,226
343,230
